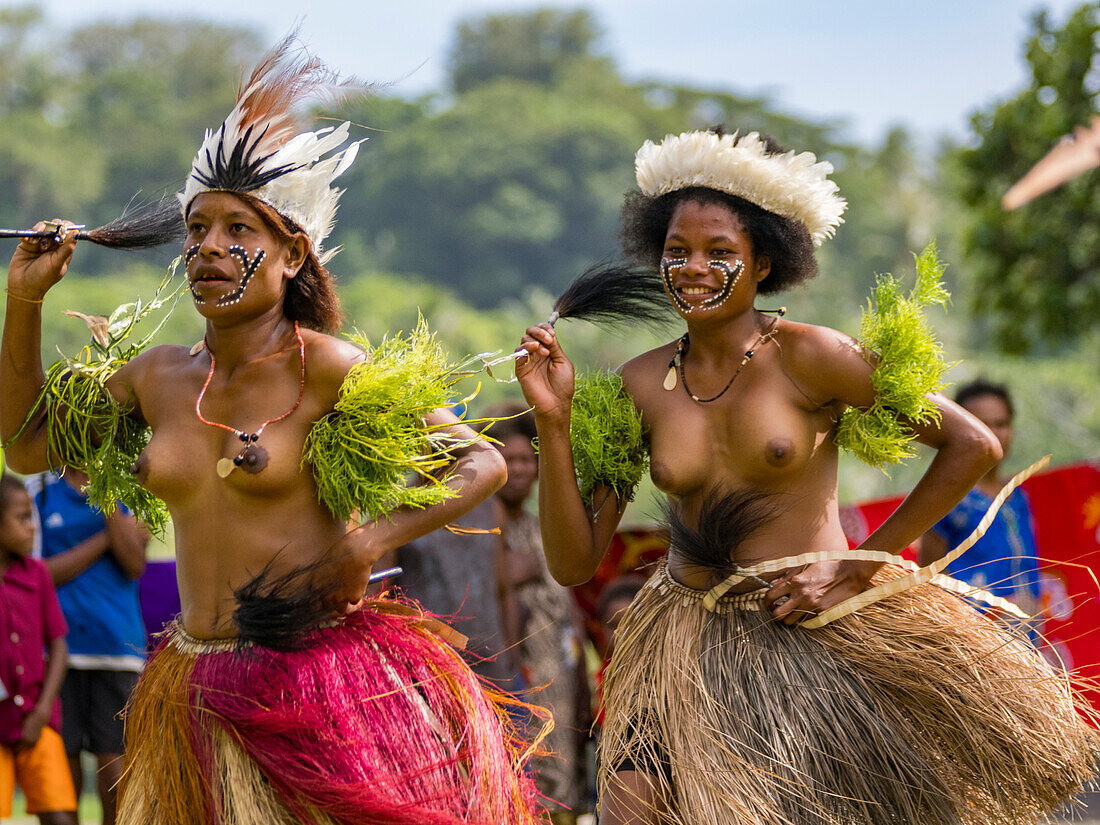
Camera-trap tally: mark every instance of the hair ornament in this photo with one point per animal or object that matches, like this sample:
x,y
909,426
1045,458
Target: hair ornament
x,y
264,149
792,185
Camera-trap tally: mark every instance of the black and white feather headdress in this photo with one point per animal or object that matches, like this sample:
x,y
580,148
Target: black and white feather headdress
x,y
264,148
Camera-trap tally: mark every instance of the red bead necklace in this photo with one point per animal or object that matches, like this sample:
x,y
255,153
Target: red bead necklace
x,y
250,450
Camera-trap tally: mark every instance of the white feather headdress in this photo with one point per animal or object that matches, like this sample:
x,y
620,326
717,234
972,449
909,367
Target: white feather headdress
x,y
263,148
792,185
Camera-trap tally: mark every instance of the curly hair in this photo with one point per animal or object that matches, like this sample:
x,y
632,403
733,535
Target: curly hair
x,y
980,387
785,242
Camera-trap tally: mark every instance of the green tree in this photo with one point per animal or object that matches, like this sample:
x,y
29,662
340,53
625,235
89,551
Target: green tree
x,y
1033,272
529,46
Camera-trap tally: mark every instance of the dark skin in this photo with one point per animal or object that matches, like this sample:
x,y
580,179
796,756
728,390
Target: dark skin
x,y
772,431
992,411
228,529
17,540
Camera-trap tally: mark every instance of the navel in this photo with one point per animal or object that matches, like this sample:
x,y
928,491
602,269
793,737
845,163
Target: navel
x,y
779,452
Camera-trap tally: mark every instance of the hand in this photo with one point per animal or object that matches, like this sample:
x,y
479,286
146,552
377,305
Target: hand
x,y
545,375
344,579
39,263
802,592
32,729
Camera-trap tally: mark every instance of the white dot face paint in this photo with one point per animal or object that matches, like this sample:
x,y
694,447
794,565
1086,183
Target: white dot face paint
x,y
731,275
189,255
248,269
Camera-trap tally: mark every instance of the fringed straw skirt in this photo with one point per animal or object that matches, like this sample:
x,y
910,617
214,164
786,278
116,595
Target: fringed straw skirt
x,y
377,720
916,710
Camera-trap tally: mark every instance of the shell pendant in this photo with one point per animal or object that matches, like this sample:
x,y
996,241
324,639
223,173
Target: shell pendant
x,y
670,379
225,467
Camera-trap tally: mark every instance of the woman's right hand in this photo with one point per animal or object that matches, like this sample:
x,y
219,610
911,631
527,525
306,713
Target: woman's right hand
x,y
39,263
545,375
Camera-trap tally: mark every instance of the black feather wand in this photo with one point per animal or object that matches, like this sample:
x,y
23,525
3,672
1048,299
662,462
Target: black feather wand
x,y
612,294
147,226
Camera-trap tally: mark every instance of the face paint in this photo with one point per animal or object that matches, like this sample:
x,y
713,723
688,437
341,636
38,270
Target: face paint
x,y
189,255
248,268
731,276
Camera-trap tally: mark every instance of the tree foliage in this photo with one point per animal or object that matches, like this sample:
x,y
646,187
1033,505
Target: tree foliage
x,y
1033,272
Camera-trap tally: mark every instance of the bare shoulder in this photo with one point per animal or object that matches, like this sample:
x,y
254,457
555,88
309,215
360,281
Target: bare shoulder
x,y
153,365
825,364
328,358
640,374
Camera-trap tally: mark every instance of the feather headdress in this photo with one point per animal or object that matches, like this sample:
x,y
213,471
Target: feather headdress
x,y
792,185
263,147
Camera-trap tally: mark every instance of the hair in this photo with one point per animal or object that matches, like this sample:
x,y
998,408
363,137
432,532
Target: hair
x,y
622,587
786,242
517,419
980,387
9,486
311,297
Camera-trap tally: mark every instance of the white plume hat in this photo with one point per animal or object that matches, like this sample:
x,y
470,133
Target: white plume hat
x,y
793,185
263,149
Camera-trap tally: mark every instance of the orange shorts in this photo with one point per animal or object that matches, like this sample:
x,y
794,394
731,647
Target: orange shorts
x,y
42,773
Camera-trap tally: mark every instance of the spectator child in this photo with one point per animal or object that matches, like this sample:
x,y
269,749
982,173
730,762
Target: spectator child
x,y
31,751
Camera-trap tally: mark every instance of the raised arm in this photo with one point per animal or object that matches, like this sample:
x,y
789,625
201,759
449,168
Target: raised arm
x,y
573,539
35,267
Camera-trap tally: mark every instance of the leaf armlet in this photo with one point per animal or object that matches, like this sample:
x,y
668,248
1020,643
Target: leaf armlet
x,y
910,366
375,452
87,428
606,436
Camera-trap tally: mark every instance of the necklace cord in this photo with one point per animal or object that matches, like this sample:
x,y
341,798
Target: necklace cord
x,y
253,437
681,356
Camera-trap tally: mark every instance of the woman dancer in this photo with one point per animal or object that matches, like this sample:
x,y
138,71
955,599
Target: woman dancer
x,y
719,706
333,712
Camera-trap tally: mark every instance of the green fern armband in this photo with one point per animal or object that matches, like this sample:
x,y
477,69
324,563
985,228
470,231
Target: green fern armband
x,y
605,433
910,366
88,429
374,452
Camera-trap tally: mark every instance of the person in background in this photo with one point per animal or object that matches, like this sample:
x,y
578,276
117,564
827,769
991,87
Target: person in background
x,y
95,563
1005,560
31,751
541,620
615,598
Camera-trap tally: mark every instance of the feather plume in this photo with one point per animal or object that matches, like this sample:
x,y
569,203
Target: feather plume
x,y
148,225
615,293
264,147
726,519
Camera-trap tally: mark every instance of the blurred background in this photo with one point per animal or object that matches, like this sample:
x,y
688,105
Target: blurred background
x,y
502,142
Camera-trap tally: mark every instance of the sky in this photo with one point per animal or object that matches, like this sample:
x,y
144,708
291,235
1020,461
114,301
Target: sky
x,y
866,64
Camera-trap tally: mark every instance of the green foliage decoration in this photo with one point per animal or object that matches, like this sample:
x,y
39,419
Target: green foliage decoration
x,y
909,366
605,432
90,430
374,453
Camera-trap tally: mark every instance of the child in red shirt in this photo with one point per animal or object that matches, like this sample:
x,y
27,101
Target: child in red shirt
x,y
31,750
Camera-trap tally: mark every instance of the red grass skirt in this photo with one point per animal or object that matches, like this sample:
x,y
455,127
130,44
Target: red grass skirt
x,y
377,720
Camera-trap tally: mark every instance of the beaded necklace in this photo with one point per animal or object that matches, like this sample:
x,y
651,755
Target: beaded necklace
x,y
677,362
252,458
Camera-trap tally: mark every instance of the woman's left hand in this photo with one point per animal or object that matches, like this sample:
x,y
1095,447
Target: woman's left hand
x,y
802,592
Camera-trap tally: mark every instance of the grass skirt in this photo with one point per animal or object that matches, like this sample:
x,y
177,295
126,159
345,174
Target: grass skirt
x,y
376,720
916,709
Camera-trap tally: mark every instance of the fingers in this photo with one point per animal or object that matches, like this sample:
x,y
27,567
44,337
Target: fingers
x,y
789,601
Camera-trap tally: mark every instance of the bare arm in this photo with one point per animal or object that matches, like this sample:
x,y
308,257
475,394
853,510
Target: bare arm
x,y
127,541
828,366
35,267
574,540
478,472
932,547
